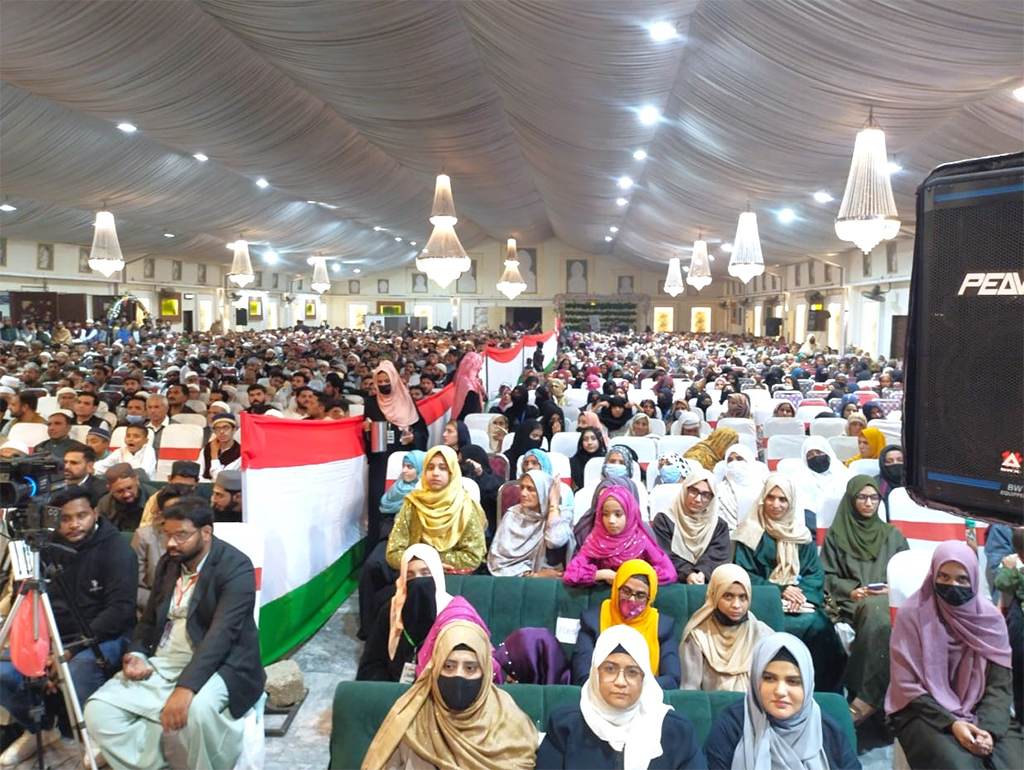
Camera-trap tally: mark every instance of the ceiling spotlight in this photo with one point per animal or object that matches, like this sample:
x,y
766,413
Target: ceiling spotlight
x,y
625,182
261,182
614,229
727,248
621,201
639,155
412,243
608,238
894,167
330,206
337,268
128,128
5,206
424,251
168,235
786,216
202,158
649,115
311,202
377,229
822,196
398,239
1018,94
662,31
356,270
270,256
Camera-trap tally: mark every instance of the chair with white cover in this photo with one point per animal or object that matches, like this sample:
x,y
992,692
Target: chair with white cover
x,y
828,427
79,432
646,448
177,442
790,466
782,426
764,412
565,443
47,405
845,447
394,468
677,444
117,437
662,496
561,467
356,410
925,527
806,413
866,467
781,447
472,488
744,427
196,406
891,429
480,438
191,419
571,413
31,433
657,426
577,397
714,412
478,421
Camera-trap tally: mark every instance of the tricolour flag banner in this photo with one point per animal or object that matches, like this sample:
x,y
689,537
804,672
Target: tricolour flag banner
x,y
304,486
436,410
505,365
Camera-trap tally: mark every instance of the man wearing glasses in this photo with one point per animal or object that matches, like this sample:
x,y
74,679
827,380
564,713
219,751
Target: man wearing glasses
x,y
193,668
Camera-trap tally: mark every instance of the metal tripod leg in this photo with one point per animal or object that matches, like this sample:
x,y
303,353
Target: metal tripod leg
x,y
65,683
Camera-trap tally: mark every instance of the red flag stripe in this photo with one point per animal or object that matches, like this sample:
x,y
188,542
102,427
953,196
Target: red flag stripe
x,y
275,442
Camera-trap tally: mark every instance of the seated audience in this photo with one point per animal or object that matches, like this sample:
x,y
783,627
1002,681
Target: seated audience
x,y
124,503
455,435
1009,580
226,498
743,482
784,409
855,425
532,656
871,442
477,466
528,435
79,467
99,440
690,531
531,534
497,429
591,444
58,428
136,452
408,478
182,472
823,478
223,452
148,540
890,471
615,415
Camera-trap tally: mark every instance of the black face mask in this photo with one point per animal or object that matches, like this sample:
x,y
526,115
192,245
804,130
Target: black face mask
x,y
953,595
725,620
819,463
420,608
457,692
893,473
384,390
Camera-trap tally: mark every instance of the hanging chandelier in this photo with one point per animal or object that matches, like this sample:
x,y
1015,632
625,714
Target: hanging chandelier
x,y
674,278
868,214
747,261
241,273
321,282
700,268
511,283
443,259
105,256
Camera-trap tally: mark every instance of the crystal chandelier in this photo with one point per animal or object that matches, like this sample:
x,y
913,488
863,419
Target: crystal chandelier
x,y
511,283
674,278
443,259
700,268
868,215
747,261
241,266
105,256
321,282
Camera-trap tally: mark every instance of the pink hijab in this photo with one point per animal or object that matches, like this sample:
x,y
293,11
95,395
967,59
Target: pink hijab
x,y
941,650
591,420
398,406
457,609
467,378
631,543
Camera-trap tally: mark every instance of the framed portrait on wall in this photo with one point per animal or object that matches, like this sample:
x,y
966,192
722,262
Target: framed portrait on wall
x,y
892,262
383,286
810,273
148,269
527,256
170,307
466,284
3,252
310,310
419,283
576,276
257,282
866,265
390,308
796,274
255,309
44,256
201,274
626,284
828,273
176,270
83,260
353,287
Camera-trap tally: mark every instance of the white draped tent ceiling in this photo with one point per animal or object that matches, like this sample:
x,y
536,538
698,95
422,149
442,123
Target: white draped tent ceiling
x,y
531,107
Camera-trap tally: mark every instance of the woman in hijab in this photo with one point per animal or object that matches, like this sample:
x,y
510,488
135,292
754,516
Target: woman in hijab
x,y
784,409
615,416
778,725
855,424
890,471
711,450
743,482
855,557
528,435
532,656
847,406
871,442
453,716
408,477
673,468
591,420
873,411
475,465
497,428
619,462
456,435
823,477
550,414
520,409
529,532
469,390
691,533
630,604
640,426
591,444
582,528
557,387
718,641
621,720
440,513
738,407
618,536
776,548
951,687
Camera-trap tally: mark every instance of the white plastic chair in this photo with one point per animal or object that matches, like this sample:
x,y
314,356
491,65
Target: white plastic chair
x,y
657,426
191,419
472,488
677,444
781,447
790,466
866,467
782,426
806,414
480,438
478,421
79,432
394,468
571,413
845,447
662,496
891,429
565,443
177,442
577,397
646,448
744,427
715,411
828,427
31,433
47,405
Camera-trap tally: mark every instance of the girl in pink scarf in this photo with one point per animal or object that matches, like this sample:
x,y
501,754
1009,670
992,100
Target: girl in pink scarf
x,y
467,380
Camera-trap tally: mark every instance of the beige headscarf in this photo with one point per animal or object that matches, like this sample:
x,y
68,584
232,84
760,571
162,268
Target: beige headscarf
x,y
789,532
492,732
727,650
430,557
693,532
712,450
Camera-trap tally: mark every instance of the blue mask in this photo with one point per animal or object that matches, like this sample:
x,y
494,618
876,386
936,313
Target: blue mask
x,y
671,474
135,419
615,470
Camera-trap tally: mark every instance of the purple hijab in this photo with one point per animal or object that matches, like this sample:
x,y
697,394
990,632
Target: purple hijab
x,y
458,609
941,650
533,656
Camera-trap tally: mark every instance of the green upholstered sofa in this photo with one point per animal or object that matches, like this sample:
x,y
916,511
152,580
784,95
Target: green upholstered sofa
x,y
360,707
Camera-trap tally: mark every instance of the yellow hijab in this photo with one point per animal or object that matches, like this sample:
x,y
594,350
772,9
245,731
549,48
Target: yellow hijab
x,y
443,515
876,440
647,621
712,450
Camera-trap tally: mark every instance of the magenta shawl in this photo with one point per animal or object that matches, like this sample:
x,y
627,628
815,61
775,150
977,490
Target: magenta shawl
x,y
458,609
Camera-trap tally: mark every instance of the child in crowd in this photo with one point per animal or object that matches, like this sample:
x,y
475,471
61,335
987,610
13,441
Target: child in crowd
x,y
136,451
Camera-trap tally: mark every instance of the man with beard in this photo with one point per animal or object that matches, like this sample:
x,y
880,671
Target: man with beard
x,y
226,499
124,503
193,668
78,472
100,580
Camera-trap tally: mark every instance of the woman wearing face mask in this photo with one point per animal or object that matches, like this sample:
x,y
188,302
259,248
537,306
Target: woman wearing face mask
x,y
871,442
779,726
621,720
774,545
475,465
619,463
633,592
615,416
718,641
691,533
590,445
550,414
618,536
744,480
890,467
951,687
673,468
712,450
855,556
520,409
528,435
453,716
823,478
531,534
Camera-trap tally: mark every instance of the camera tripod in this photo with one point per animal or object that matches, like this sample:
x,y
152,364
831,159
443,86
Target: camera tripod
x,y
26,567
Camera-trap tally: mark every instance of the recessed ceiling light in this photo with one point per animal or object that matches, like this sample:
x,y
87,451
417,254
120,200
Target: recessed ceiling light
x,y
1018,94
711,257
614,229
311,202
424,251
168,235
894,167
823,196
398,239
662,31
625,182
7,207
786,216
621,201
686,269
356,270
377,229
649,115
727,248
329,206
337,268
607,237
128,128
261,182
412,243
639,155
270,256
202,158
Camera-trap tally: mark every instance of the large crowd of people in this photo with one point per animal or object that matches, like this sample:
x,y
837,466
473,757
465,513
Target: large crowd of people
x,y
629,463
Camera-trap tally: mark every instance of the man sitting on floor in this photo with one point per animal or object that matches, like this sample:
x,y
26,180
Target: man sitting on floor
x,y
193,668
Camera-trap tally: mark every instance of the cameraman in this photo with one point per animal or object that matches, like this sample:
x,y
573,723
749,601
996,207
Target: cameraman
x,y
100,580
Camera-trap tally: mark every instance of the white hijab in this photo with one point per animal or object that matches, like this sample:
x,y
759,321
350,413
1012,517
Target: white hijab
x,y
742,484
636,731
817,488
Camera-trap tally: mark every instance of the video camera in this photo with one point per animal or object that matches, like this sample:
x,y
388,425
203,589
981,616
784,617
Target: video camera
x,y
26,487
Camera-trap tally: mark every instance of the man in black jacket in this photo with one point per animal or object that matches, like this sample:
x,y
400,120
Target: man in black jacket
x,y
193,668
101,578
78,471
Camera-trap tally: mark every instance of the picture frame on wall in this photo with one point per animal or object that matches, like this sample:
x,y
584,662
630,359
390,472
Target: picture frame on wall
x,y
419,283
810,273
828,273
527,256
148,269
3,252
866,265
796,274
353,287
383,286
176,271
274,281
576,276
467,283
310,310
892,262
626,284
170,307
257,282
44,256
83,260
255,309
201,274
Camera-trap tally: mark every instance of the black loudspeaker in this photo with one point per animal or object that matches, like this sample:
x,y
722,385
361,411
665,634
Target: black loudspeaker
x,y
241,316
963,421
817,321
773,327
